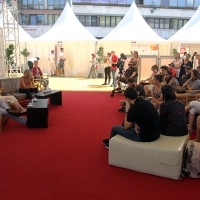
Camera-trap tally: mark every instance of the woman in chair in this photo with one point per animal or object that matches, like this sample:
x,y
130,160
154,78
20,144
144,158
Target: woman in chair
x,y
27,84
37,74
172,114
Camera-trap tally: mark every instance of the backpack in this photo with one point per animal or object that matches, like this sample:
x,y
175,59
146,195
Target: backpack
x,y
191,160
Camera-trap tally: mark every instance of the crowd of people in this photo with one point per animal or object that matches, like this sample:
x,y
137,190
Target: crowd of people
x,y
157,107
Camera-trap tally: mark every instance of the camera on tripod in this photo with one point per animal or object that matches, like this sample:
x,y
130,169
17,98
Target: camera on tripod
x,y
120,63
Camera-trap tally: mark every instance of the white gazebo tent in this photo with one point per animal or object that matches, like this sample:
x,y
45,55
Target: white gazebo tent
x,y
132,29
76,40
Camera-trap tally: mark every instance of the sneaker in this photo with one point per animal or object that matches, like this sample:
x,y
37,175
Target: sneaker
x,y
104,84
122,109
105,141
107,146
14,113
118,88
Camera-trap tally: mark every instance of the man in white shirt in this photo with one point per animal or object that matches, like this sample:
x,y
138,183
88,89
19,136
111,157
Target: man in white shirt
x,y
52,63
61,63
31,61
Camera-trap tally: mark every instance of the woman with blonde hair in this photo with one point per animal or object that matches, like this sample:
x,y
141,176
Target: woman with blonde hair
x,y
27,84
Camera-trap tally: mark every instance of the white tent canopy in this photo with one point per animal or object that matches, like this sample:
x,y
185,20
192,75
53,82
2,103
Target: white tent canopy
x,y
67,29
23,36
133,28
189,33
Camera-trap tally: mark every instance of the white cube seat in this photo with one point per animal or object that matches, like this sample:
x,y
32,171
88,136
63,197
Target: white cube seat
x,y
162,157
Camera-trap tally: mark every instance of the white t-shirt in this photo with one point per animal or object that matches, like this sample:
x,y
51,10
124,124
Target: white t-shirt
x,y
177,63
61,55
52,57
33,59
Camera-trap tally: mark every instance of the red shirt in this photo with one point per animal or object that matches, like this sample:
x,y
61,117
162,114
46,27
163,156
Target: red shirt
x,y
114,58
173,72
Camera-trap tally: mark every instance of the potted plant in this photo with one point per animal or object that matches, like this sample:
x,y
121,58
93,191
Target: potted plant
x,y
174,51
100,59
9,56
25,54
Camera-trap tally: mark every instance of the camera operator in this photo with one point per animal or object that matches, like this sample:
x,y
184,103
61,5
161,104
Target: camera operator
x,y
114,60
120,63
130,72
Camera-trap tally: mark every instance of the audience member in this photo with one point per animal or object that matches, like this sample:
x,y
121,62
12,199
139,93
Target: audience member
x,y
27,84
177,64
172,114
170,80
139,88
31,61
197,139
114,60
141,124
107,69
186,63
186,76
171,68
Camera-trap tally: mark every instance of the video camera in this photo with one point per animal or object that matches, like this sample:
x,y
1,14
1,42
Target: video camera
x,y
120,63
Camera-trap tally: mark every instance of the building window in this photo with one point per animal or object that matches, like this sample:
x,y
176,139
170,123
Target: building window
x,y
108,21
196,3
165,3
32,4
56,4
51,19
190,3
36,20
173,3
25,19
102,21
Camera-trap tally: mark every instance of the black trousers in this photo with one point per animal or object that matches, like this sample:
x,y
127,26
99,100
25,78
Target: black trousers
x,y
28,92
30,64
107,71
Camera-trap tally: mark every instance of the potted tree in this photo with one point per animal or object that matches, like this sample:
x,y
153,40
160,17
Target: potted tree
x,y
25,54
9,57
100,59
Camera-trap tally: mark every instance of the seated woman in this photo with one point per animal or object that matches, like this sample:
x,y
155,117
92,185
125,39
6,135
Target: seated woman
x,y
172,114
192,84
170,80
130,72
157,96
148,88
27,84
37,74
194,109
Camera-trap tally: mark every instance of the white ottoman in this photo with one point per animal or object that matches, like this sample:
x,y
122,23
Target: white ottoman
x,y
162,157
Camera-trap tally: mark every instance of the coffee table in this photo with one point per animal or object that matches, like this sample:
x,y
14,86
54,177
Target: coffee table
x,y
37,116
54,95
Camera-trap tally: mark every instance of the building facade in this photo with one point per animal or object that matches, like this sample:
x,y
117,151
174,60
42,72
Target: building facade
x,y
101,16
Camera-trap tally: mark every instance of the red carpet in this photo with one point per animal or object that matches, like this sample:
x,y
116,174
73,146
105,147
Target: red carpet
x,y
67,161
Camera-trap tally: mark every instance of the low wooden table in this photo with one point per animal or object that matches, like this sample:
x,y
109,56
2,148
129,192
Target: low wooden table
x,y
37,116
54,95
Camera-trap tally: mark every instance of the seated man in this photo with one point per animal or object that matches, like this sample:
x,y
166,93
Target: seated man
x,y
37,74
130,72
186,76
171,68
139,88
141,124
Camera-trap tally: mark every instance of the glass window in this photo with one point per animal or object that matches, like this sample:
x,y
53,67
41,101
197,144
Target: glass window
x,y
93,20
121,1
180,23
118,19
102,21
162,23
107,21
113,1
173,3
157,25
147,2
25,19
151,22
196,3
113,23
94,1
87,21
50,2
49,19
24,2
156,2
40,20
167,22
165,3
175,24
190,3
181,3
82,19
129,1
104,1
185,21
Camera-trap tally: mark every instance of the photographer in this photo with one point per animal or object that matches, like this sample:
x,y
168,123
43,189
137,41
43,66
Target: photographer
x,y
130,72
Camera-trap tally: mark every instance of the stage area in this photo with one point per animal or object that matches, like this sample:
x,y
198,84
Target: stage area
x,y
78,84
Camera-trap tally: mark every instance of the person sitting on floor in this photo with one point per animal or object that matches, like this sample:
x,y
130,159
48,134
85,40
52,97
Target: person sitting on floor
x,y
172,114
130,72
37,74
139,88
141,124
27,84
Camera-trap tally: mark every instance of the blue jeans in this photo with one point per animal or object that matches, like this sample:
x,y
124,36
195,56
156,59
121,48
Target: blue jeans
x,y
127,133
113,71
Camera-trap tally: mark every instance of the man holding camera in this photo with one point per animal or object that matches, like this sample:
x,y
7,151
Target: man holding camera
x,y
130,72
